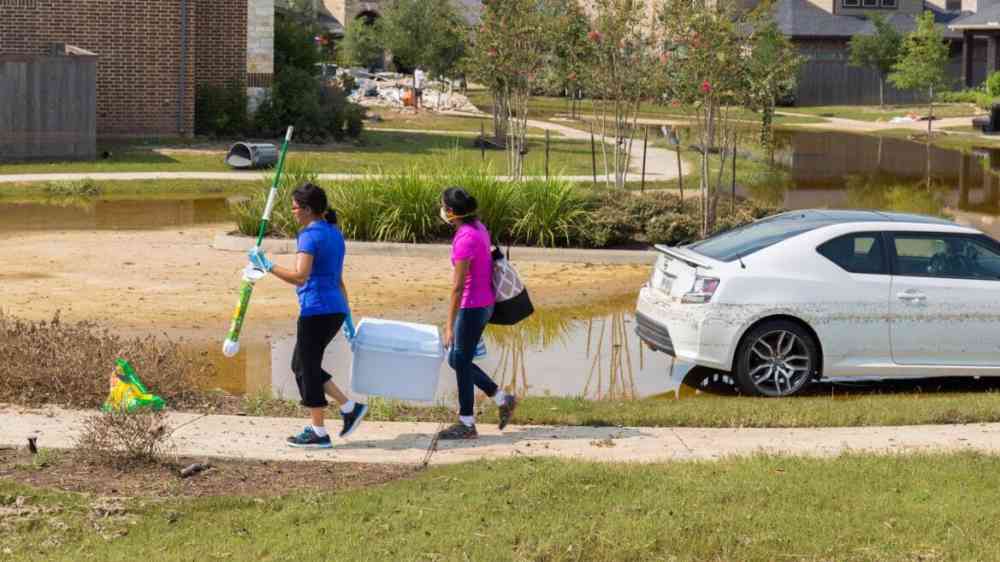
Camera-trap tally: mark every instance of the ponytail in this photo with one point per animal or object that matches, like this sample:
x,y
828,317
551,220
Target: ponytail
x,y
330,216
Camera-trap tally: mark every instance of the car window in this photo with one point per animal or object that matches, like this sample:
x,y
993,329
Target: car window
x,y
856,253
756,236
946,255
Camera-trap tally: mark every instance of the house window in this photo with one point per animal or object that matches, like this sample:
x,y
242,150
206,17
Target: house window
x,y
888,3
953,5
852,3
869,3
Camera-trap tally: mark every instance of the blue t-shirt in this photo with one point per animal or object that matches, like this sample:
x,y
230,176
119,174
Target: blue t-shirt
x,y
321,293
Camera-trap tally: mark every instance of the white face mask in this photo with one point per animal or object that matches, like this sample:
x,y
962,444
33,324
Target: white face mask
x,y
443,213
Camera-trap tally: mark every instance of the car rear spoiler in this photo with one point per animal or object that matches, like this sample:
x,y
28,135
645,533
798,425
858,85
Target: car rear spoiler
x,y
683,256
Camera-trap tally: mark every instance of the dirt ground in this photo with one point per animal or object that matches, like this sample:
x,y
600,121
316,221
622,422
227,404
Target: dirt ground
x,y
64,471
173,281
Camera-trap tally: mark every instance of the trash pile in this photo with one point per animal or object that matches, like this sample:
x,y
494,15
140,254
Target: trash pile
x,y
390,89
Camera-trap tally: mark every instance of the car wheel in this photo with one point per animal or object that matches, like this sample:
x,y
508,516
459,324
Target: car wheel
x,y
776,358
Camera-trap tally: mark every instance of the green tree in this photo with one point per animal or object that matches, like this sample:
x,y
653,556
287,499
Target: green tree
x,y
704,66
571,55
621,75
295,44
427,33
771,71
923,62
879,51
508,57
362,44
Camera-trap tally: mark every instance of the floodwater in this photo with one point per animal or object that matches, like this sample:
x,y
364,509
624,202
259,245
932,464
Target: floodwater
x,y
111,214
590,352
848,171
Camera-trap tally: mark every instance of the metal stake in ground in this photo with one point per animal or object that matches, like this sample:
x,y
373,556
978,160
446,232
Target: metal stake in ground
x,y
593,154
250,275
546,155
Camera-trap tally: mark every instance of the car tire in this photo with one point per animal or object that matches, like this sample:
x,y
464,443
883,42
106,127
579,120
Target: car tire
x,y
777,358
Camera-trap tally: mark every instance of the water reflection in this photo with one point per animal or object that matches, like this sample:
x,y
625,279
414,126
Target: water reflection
x,y
111,214
842,170
590,352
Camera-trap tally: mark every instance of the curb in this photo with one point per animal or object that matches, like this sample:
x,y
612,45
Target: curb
x,y
240,243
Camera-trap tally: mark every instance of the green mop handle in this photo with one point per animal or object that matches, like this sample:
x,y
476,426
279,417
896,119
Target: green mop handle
x,y
273,194
231,346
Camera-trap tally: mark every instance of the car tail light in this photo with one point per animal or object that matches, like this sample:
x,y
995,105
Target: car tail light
x,y
702,291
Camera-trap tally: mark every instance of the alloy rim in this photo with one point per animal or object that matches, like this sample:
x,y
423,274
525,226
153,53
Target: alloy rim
x,y
779,363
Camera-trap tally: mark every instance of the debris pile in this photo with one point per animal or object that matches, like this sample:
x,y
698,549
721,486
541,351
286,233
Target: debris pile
x,y
387,89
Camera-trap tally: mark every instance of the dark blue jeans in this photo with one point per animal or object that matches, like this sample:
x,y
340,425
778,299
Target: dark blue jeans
x,y
469,327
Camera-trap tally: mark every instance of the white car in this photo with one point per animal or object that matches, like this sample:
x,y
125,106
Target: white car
x,y
833,295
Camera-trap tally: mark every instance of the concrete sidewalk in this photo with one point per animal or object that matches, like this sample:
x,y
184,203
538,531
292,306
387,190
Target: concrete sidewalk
x,y
242,437
259,176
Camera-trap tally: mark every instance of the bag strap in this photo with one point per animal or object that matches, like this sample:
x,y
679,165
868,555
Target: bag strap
x,y
499,247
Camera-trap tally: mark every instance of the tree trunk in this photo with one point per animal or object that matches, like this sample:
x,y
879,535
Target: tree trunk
x,y
930,116
706,146
881,90
501,118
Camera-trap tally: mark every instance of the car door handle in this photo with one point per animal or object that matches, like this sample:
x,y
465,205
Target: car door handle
x,y
911,296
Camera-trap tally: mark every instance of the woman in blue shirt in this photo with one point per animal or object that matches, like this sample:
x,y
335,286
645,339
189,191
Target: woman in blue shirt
x,y
319,283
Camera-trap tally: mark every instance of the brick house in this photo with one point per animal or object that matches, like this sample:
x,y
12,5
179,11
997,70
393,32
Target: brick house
x,y
151,55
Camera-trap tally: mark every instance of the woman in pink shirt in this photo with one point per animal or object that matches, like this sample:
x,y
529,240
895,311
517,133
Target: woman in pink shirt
x,y
471,307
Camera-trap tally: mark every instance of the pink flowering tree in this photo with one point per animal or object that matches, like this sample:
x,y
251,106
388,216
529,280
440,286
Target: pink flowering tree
x,y
620,76
706,51
510,48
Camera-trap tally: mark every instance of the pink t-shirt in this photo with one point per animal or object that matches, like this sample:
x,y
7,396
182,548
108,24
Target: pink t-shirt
x,y
472,243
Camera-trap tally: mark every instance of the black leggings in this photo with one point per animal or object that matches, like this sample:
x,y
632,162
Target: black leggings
x,y
313,335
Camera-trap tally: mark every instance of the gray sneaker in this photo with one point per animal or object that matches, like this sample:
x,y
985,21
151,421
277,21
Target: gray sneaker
x,y
459,431
506,411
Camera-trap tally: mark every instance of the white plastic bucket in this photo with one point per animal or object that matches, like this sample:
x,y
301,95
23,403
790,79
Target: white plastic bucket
x,y
398,360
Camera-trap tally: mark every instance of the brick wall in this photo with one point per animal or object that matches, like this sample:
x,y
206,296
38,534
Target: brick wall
x,y
148,61
221,43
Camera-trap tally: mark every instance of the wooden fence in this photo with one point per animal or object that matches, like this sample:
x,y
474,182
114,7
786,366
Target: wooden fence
x,y
834,82
48,107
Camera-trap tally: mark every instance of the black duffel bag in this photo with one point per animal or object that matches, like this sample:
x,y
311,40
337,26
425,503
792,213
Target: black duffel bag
x,y
512,301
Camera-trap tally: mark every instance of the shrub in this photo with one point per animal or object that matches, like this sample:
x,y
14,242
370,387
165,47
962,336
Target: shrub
x,y
248,212
220,110
979,96
358,205
72,189
68,364
294,44
551,213
123,439
294,100
354,120
618,220
318,111
992,84
409,209
403,207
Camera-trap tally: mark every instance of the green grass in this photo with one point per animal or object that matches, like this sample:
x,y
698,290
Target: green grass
x,y
854,507
426,121
381,150
875,113
840,409
146,189
542,107
943,139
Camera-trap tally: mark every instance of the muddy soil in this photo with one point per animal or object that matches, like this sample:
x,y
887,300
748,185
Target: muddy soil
x,y
173,281
65,471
